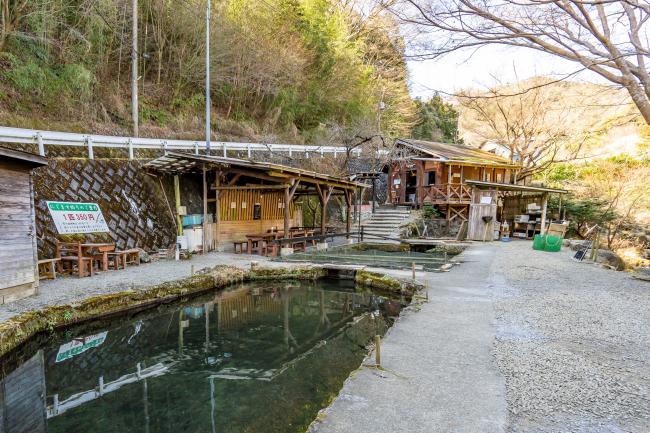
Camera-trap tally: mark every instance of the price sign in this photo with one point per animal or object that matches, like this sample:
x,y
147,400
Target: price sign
x,y
72,217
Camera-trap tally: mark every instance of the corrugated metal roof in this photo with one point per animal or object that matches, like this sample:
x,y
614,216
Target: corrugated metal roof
x,y
514,187
455,152
25,157
177,162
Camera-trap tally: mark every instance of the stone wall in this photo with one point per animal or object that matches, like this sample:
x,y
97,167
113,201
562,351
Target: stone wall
x,y
133,203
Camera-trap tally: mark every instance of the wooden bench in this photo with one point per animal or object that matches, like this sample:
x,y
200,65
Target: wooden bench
x,y
71,253
241,246
132,256
117,259
47,269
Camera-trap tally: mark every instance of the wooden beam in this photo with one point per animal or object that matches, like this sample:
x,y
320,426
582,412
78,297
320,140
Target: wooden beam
x,y
235,179
217,210
250,187
289,191
542,229
177,196
205,210
348,212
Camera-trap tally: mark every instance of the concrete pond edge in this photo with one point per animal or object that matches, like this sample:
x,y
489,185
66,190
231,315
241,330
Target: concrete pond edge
x,y
20,329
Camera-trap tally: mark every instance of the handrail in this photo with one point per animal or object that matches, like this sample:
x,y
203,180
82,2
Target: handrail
x,y
90,141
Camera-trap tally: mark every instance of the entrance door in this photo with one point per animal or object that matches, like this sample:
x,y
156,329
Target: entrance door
x,y
411,186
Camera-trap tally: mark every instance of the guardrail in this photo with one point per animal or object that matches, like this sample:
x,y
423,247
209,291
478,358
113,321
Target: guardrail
x,y
90,141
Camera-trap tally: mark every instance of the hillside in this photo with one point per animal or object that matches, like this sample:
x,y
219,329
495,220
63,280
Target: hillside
x,y
286,70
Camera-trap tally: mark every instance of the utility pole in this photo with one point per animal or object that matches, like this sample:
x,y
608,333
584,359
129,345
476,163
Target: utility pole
x,y
207,78
134,68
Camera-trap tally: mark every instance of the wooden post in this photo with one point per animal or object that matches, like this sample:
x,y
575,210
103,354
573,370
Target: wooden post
x,y
377,350
559,210
177,196
217,216
324,195
205,211
419,181
287,200
542,229
348,212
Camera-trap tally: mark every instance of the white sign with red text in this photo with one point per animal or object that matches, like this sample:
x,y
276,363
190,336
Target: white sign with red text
x,y
72,217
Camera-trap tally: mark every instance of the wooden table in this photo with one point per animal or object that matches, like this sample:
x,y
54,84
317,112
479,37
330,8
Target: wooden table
x,y
259,239
101,248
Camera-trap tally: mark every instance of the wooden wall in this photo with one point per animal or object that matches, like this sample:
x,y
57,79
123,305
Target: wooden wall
x,y
236,218
237,205
18,255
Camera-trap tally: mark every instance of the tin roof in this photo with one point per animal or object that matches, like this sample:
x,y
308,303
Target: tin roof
x,y
24,157
455,152
513,187
177,162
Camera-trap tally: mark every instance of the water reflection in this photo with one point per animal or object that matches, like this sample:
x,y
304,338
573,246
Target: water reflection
x,y
259,358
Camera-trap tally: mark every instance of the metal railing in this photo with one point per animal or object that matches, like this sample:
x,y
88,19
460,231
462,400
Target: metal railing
x,y
91,141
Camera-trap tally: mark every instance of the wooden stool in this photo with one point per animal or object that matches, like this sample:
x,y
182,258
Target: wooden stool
x,y
243,245
132,257
47,269
118,258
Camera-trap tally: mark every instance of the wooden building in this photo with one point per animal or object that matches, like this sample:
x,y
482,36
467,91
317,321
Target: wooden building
x,y
242,197
18,255
425,172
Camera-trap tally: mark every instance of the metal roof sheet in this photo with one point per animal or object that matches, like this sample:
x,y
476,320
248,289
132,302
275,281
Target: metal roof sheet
x,y
177,162
455,152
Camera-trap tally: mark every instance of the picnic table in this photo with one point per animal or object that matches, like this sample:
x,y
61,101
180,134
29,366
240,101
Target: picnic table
x,y
92,249
256,240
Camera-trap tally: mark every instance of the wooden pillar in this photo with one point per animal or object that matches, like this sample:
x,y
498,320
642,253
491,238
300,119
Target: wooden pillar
x,y
348,212
542,229
419,181
177,197
205,211
389,196
217,210
324,195
289,191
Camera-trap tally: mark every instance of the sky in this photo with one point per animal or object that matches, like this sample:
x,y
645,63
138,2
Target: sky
x,y
481,68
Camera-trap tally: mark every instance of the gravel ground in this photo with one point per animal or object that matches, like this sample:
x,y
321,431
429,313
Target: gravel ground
x,y
67,289
573,342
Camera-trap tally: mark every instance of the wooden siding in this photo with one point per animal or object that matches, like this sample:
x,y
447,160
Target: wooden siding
x,y
272,204
17,232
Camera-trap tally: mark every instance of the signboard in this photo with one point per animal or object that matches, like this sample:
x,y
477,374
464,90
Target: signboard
x,y
71,217
80,345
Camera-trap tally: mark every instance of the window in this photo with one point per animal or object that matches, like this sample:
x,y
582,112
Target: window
x,y
431,178
499,178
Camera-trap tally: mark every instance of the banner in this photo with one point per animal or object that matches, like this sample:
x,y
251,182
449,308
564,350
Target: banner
x,y
71,217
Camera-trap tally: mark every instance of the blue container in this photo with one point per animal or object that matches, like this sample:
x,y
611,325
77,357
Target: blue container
x,y
192,220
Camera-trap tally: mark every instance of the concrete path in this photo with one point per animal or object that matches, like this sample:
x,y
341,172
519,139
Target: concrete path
x,y
440,375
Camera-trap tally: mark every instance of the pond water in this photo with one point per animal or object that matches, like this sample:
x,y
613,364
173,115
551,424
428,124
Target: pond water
x,y
372,255
254,358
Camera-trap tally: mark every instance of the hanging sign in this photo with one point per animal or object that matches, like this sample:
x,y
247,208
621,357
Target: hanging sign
x,y
72,217
80,345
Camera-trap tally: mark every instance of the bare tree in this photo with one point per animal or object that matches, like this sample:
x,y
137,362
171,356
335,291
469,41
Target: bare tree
x,y
536,127
608,37
11,14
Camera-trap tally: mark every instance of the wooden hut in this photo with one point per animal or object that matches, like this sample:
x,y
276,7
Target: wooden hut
x,y
241,197
426,172
18,255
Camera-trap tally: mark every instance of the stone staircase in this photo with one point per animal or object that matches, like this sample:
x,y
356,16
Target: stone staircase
x,y
385,222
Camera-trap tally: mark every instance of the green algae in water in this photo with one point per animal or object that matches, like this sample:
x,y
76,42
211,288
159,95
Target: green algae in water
x,y
260,357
